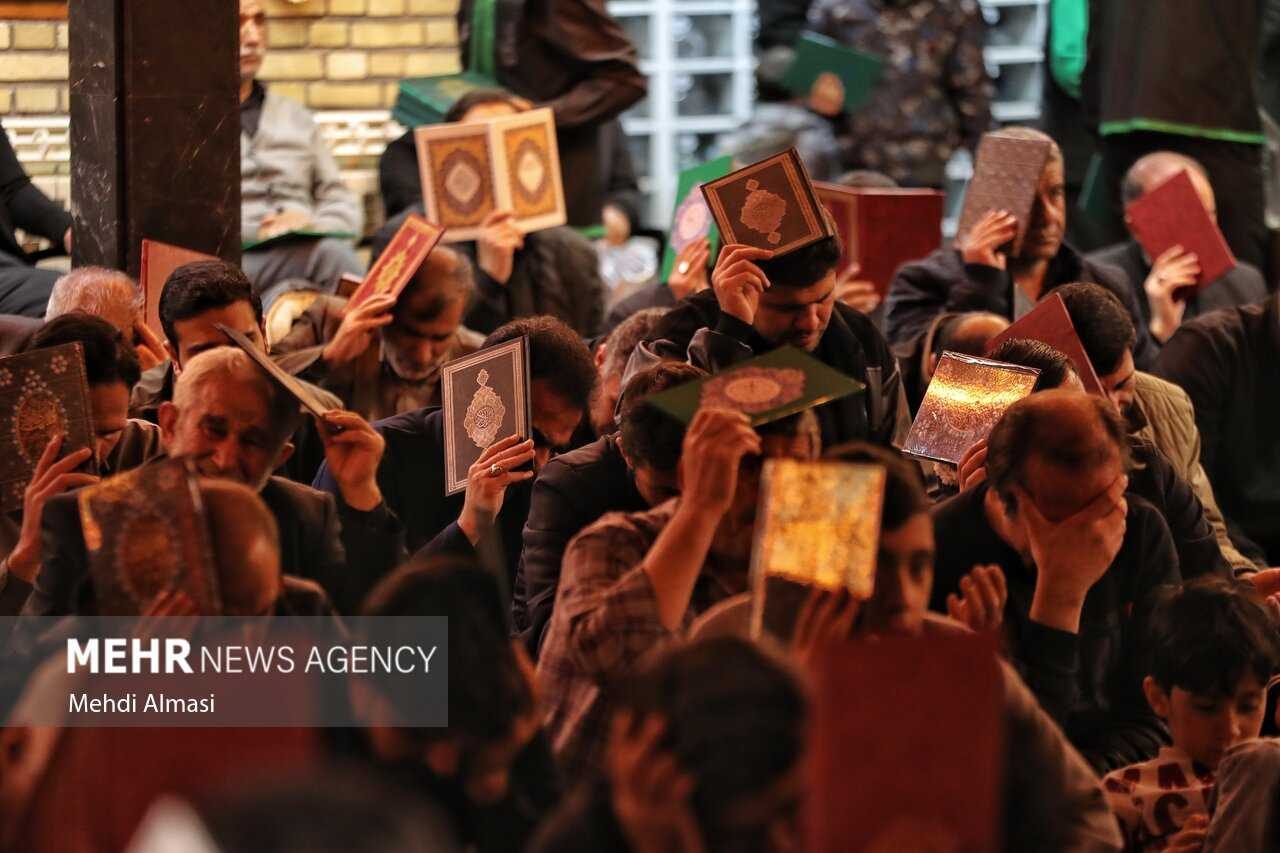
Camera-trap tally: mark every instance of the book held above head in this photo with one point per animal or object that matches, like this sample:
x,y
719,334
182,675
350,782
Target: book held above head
x,y
400,261
158,261
769,205
427,100
965,399
832,77
691,220
1050,323
474,169
883,228
1006,176
1173,215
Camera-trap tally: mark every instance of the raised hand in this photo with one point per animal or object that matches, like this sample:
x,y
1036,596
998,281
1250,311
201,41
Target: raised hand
x,y
1073,554
487,481
1172,271
353,449
980,244
858,294
714,445
972,470
355,333
148,346
689,275
738,282
980,604
496,248
827,616
49,479
649,793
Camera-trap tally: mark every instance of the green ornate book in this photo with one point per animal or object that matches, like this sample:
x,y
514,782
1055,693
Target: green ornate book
x,y
825,71
691,220
765,388
426,100
290,236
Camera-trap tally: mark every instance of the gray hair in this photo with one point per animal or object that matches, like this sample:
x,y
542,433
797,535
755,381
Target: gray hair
x,y
102,292
232,364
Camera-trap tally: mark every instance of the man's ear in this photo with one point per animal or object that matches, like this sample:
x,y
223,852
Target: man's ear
x,y
167,418
262,333
601,349
1156,697
443,757
173,356
283,456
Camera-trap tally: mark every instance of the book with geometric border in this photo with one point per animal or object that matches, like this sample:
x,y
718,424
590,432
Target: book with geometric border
x,y
485,398
472,170
769,205
400,261
146,533
42,392
1006,176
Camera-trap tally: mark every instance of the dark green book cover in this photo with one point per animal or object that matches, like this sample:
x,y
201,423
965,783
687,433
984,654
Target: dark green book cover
x,y
765,388
426,100
691,220
857,72
300,234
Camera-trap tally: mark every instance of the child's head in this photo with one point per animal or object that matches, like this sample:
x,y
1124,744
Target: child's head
x,y
1213,646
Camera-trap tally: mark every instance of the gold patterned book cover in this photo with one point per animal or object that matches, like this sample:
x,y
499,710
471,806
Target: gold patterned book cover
x,y
146,533
818,526
508,163
42,393
531,163
769,205
963,402
399,262
486,398
456,164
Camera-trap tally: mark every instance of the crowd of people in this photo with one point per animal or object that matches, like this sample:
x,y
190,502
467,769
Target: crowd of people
x,y
606,691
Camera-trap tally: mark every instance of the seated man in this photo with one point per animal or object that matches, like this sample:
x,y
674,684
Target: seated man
x,y
24,289
195,298
113,296
1155,280
235,422
491,767
554,271
757,304
612,355
1155,412
288,182
412,335
966,333
977,276
632,583
1228,362
627,471
120,443
490,515
1080,559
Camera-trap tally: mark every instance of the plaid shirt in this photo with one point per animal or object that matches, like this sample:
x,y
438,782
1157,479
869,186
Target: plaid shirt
x,y
604,625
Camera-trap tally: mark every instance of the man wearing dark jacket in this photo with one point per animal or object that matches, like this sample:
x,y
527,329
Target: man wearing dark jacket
x,y
228,416
1156,282
757,303
1079,559
1228,362
485,522
23,288
627,471
977,276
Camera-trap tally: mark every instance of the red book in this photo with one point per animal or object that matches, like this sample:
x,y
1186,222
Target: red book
x,y
906,747
1050,323
399,262
882,229
1172,215
158,261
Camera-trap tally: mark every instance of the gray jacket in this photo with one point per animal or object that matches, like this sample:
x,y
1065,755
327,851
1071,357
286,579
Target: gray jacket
x,y
287,164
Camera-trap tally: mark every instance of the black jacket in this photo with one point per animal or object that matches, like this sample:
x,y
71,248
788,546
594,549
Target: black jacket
x,y
22,205
943,282
557,273
696,330
1228,362
655,294
1155,480
1089,682
411,476
570,492
336,548
1241,286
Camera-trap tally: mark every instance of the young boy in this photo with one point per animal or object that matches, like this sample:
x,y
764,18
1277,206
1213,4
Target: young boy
x,y
1213,647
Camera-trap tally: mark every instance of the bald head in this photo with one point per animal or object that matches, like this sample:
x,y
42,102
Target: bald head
x,y
1154,169
1063,447
246,547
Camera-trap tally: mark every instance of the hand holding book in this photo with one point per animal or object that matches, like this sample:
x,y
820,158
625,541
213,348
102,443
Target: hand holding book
x,y
738,282
355,333
497,245
1172,273
982,243
52,477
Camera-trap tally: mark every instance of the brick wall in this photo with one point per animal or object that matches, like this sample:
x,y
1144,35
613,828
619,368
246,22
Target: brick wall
x,y
329,54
